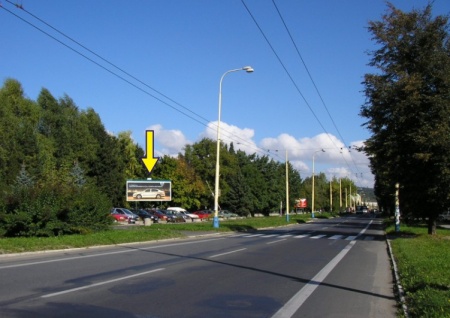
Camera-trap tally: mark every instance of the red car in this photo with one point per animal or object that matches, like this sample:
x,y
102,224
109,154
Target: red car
x,y
159,213
119,217
204,214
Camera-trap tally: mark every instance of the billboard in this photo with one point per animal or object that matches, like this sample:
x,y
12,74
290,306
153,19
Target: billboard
x,y
149,190
301,203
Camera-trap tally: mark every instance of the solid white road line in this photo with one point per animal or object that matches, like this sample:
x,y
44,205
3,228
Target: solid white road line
x,y
303,294
217,255
137,249
101,283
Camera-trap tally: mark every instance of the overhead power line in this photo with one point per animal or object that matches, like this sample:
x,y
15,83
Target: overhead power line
x,y
293,81
312,81
200,119
186,111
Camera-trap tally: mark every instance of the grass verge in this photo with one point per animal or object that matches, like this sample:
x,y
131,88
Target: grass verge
x,y
424,268
136,233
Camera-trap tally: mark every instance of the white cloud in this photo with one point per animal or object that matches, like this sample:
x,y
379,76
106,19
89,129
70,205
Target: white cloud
x,y
337,161
171,142
242,138
303,149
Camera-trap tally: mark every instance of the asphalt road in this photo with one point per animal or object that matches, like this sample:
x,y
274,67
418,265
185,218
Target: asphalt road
x,y
328,268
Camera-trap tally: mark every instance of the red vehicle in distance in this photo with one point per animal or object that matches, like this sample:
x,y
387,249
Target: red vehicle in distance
x,y
204,214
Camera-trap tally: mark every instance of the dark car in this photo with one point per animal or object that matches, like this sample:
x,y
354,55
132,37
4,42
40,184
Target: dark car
x,y
146,215
174,216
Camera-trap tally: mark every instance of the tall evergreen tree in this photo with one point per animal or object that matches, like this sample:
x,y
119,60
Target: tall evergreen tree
x,y
408,110
18,142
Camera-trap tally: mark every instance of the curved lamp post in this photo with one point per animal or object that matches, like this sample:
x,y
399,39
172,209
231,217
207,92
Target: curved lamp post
x,y
312,203
248,69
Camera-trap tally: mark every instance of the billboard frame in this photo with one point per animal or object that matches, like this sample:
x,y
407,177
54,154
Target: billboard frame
x,y
139,186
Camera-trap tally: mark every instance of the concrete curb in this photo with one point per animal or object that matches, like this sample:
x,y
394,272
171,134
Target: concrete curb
x,y
401,292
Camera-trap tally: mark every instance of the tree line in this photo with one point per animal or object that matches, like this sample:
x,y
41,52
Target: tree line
x,y
61,171
408,112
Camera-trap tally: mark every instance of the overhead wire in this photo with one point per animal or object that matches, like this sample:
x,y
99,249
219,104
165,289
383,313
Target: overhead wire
x,y
290,76
312,80
282,65
96,63
226,133
105,60
231,136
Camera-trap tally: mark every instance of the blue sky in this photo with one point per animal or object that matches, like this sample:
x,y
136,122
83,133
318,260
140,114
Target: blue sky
x,y
181,48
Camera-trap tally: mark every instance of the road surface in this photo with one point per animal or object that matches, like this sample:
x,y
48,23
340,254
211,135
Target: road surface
x,y
328,268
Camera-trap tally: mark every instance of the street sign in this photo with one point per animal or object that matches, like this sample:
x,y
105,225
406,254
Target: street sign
x,y
149,190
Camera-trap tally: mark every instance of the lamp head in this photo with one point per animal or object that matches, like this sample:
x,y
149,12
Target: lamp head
x,y
248,69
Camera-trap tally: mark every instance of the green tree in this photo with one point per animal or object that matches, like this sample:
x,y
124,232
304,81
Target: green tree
x,y
187,187
408,111
19,139
201,157
131,156
240,198
107,167
295,184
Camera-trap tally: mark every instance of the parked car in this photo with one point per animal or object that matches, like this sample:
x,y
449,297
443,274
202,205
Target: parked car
x,y
131,217
119,217
146,215
226,214
151,193
189,216
159,213
174,216
204,214
444,216
186,215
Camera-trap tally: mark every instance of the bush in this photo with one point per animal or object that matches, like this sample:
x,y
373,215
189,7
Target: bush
x,y
89,212
54,209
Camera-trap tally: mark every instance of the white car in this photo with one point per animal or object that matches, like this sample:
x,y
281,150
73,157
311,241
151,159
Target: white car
x,y
151,193
444,216
184,213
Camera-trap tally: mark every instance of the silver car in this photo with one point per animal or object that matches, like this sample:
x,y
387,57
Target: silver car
x,y
151,193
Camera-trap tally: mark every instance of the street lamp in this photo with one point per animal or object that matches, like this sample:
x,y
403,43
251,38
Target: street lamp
x,y
248,69
312,204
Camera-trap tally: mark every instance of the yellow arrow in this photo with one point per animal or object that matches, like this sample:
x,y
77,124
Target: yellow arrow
x,y
149,161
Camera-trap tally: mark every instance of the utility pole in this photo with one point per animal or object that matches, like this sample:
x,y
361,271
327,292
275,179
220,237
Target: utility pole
x,y
331,197
287,187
